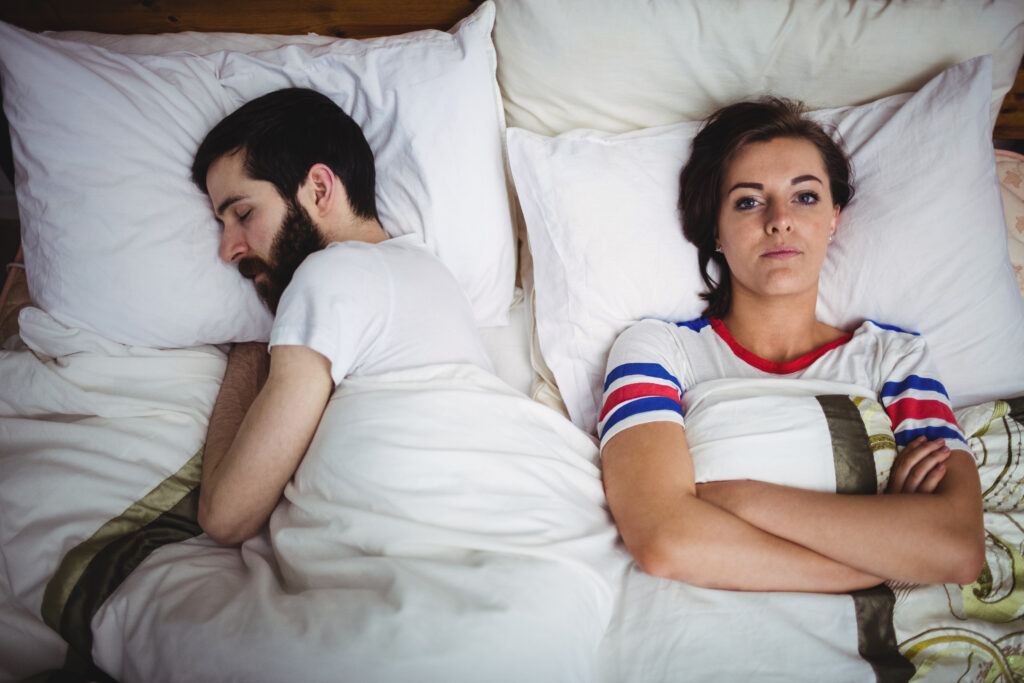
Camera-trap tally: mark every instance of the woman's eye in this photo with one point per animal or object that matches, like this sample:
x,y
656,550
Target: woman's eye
x,y
745,203
807,198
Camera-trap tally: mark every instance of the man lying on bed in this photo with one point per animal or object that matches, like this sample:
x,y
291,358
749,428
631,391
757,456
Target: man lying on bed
x,y
291,176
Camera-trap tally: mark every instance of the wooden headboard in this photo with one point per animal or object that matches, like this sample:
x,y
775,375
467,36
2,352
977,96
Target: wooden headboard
x,y
1010,124
342,18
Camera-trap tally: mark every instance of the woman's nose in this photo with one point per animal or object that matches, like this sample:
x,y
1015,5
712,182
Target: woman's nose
x,y
778,220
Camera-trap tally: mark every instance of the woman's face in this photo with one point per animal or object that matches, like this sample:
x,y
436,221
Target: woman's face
x,y
776,218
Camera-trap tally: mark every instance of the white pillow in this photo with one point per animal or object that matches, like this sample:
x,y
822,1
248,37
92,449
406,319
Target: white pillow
x,y
117,239
921,246
618,66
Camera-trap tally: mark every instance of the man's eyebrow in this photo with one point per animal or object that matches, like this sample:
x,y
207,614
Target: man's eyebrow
x,y
226,204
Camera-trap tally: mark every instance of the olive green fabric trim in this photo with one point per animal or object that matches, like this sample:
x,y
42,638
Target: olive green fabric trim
x,y
139,514
1016,408
855,474
851,446
77,669
110,567
1000,409
92,571
876,636
882,442
65,676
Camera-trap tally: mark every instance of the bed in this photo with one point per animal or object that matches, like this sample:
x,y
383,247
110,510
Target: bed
x,y
535,147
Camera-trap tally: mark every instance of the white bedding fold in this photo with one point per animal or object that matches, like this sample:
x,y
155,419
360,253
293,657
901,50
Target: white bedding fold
x,y
442,527
766,429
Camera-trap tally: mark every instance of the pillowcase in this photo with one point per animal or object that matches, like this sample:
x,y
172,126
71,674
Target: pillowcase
x,y
922,245
117,239
616,66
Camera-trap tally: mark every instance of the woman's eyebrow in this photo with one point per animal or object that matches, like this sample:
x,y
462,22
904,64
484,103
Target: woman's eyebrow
x,y
752,186
758,186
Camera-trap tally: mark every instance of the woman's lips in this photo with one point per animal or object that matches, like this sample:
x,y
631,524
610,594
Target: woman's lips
x,y
781,252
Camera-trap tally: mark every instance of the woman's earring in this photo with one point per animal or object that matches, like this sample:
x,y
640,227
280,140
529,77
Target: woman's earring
x,y
718,248
830,236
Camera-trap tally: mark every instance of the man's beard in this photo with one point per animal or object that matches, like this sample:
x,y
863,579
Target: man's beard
x,y
297,239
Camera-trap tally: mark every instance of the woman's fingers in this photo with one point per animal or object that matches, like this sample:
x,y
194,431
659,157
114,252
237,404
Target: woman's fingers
x,y
932,479
919,467
930,468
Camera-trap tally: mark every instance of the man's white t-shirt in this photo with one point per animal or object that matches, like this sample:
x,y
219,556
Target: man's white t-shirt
x,y
376,308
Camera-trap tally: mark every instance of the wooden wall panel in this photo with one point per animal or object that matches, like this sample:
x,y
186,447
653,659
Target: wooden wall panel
x,y
347,18
1010,124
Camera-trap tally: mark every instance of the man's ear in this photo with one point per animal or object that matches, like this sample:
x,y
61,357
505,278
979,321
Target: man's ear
x,y
321,190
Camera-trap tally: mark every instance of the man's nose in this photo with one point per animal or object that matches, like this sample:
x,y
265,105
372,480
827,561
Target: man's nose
x,y
232,245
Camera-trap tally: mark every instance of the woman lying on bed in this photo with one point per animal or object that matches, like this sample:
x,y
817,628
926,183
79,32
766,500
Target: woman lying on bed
x,y
760,197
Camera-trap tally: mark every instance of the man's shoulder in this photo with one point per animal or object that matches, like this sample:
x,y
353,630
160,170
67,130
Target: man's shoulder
x,y
341,258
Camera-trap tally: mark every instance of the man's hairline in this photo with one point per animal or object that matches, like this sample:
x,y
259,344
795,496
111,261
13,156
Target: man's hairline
x,y
218,211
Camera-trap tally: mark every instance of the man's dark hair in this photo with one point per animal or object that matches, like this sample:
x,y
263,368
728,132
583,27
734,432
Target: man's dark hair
x,y
723,135
283,134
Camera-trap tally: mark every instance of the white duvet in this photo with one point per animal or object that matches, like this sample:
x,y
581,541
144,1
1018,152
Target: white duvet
x,y
442,527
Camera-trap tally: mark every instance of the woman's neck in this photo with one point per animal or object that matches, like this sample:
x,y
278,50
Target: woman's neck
x,y
778,329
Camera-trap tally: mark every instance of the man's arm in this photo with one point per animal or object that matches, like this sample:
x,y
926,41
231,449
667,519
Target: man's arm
x,y
244,376
240,488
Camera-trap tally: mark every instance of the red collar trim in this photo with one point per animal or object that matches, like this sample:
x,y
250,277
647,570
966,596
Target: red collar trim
x,y
771,366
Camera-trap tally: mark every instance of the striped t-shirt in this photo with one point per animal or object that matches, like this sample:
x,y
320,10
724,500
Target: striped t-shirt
x,y
653,364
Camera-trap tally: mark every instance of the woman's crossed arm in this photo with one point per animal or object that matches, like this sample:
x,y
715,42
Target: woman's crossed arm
x,y
747,535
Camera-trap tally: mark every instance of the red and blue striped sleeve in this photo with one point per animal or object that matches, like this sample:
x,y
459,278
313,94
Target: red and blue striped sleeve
x,y
919,406
636,393
915,400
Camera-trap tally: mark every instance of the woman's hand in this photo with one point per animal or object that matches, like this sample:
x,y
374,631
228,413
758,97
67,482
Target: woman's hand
x,y
919,467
